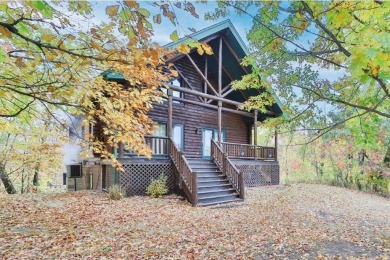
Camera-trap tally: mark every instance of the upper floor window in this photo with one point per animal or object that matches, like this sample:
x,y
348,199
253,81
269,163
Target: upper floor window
x,y
178,82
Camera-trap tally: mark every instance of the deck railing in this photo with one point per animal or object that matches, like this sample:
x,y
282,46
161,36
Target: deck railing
x,y
158,145
186,175
234,175
248,151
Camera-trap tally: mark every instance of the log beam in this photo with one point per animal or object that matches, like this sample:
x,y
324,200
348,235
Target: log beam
x,y
229,76
205,73
225,109
235,55
220,92
186,81
197,93
201,74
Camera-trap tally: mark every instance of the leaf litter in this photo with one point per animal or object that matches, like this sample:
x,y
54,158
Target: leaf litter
x,y
277,222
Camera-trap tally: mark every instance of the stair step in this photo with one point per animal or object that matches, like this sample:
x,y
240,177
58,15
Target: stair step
x,y
208,171
218,199
194,161
215,188
211,178
198,161
205,167
209,174
208,183
215,193
203,204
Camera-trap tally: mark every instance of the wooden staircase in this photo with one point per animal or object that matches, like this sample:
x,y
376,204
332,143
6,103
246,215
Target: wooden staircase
x,y
207,182
213,186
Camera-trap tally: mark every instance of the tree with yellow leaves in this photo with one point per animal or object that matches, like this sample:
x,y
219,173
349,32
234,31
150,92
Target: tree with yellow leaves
x,y
52,57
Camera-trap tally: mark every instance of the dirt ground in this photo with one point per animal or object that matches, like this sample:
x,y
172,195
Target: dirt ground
x,y
279,222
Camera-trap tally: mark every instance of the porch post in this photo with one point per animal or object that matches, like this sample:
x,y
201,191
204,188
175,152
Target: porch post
x,y
255,132
219,123
276,145
170,103
205,74
120,150
220,92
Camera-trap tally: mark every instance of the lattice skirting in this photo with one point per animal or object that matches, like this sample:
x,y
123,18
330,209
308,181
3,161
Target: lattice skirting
x,y
259,173
137,176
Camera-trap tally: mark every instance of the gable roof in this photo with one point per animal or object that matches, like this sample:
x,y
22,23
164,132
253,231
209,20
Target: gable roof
x,y
211,30
235,42
231,65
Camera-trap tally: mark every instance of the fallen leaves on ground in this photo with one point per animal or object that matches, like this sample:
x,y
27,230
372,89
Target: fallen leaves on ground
x,y
298,221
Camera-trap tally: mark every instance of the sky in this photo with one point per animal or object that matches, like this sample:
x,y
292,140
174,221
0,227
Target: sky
x,y
242,23
184,18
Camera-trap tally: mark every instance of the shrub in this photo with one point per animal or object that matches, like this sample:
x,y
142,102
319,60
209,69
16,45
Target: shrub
x,y
157,187
116,192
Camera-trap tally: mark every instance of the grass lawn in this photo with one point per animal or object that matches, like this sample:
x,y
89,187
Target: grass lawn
x,y
298,221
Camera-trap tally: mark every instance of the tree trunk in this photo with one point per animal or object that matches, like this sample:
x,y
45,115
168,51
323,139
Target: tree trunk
x,y
362,154
9,187
386,160
36,176
22,188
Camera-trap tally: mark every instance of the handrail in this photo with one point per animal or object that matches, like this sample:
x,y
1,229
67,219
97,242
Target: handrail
x,y
235,176
186,175
251,145
156,136
248,151
158,145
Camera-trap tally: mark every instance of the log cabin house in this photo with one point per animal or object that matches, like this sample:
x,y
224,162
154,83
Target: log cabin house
x,y
204,144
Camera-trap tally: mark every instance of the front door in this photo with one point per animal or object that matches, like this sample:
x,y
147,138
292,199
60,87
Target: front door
x,y
207,135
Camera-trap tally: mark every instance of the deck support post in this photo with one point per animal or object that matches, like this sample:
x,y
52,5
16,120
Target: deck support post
x,y
219,123
170,104
276,145
120,150
255,132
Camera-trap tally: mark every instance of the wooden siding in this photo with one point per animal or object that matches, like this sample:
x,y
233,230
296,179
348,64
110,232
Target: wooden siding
x,y
195,117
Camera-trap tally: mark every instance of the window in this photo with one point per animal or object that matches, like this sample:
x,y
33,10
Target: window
x,y
161,131
178,83
215,135
178,135
76,171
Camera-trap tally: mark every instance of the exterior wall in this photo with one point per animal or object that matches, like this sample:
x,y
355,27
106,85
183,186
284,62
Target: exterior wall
x,y
194,117
258,173
92,178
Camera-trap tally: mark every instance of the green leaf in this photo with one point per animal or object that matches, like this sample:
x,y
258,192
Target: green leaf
x,y
144,12
2,55
174,36
126,15
45,9
148,25
131,32
39,5
22,28
106,249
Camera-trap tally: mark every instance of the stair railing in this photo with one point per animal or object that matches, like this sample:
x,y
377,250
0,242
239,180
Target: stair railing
x,y
235,176
186,175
